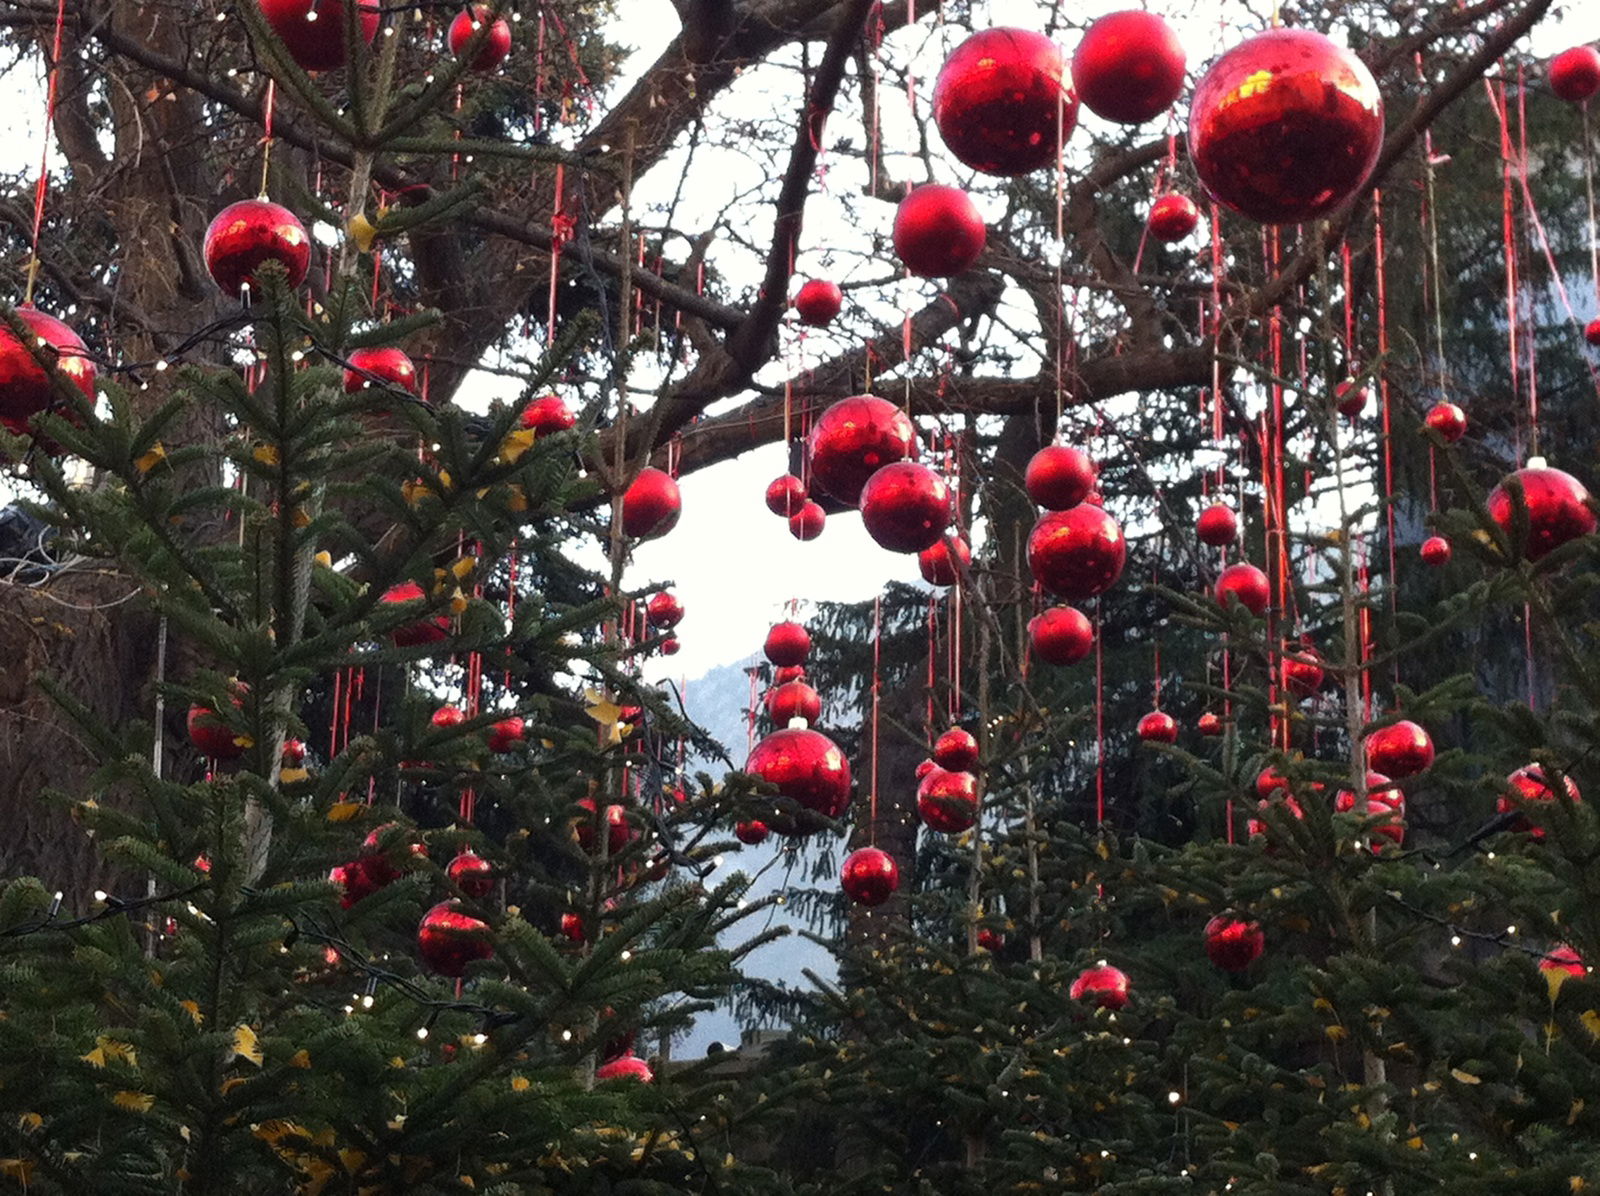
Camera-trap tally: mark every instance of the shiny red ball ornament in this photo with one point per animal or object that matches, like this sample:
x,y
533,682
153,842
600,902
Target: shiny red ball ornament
x,y
788,644
247,235
1563,959
869,876
807,523
448,716
1060,635
751,832
353,883
1004,102
663,610
1575,74
1060,477
383,365
429,631
651,505
1379,789
1557,505
1247,584
793,700
506,734
1530,784
1233,944
1208,724
1258,828
212,736
25,387
853,439
494,46
1349,398
1172,218
1448,420
619,831
472,874
948,801
1400,750
905,507
818,302
991,940
924,768
572,926
786,495
1285,127
626,1067
938,231
805,766
1304,676
1591,332
1158,727
375,863
1435,551
448,939
956,750
313,31
294,753
942,564
1129,67
1077,553
1217,526
1103,984
548,414
1269,781
784,674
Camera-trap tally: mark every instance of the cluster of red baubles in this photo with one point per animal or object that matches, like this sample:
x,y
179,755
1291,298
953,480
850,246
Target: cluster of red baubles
x,y
947,783
315,35
788,497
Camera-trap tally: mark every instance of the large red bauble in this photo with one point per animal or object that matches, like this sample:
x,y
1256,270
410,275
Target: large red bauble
x,y
1004,103
1448,420
1246,583
818,301
788,644
794,699
1172,218
1575,74
294,753
1349,398
663,610
375,863
1060,477
1530,784
1217,525
1208,724
619,831
313,30
948,801
1269,780
1158,727
938,231
572,926
391,365
869,876
506,734
212,736
247,235
448,939
1558,508
1103,984
943,564
428,632
1078,553
25,388
651,505
1232,943
494,47
1591,332
1399,750
807,767
547,414
1285,127
786,495
853,439
1435,551
905,507
752,831
1129,67
448,716
1060,635
956,750
807,523
626,1067
1304,677
990,939
472,874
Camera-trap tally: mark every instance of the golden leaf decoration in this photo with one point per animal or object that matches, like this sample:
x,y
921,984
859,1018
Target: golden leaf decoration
x,y
1591,1022
192,1008
133,1102
20,1170
245,1046
148,460
344,811
516,444
362,231
266,454
32,1121
522,1084
1463,1077
301,1059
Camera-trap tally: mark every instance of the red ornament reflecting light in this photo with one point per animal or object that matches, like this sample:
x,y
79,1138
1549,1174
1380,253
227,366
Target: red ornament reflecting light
x,y
818,302
1563,959
956,750
548,414
1435,551
1078,553
247,235
1448,420
25,387
388,364
1530,784
626,1067
1103,984
1060,477
313,31
1129,67
1591,332
1400,750
905,507
1247,584
449,939
663,610
807,767
651,505
1350,398
1217,525
472,874
1575,74
429,631
788,644
853,439
1232,943
869,876
506,734
1003,102
448,716
786,495
948,801
1208,724
1304,676
793,699
1172,218
1060,635
1557,505
494,47
619,831
807,523
938,231
943,563
1158,727
751,832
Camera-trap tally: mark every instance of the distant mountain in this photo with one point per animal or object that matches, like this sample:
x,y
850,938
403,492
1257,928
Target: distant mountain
x,y
719,702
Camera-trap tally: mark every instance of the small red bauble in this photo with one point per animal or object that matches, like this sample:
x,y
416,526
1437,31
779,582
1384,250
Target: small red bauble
x,y
1563,959
807,767
948,801
663,610
1530,784
925,768
938,231
1435,551
956,749
1379,789
752,831
1400,750
448,939
212,736
1129,67
1575,74
1591,332
1232,943
784,674
1349,399
1269,780
294,753
619,831
1557,504
788,644
1158,727
25,387
1304,676
1003,102
1257,828
1208,724
853,439
448,716
428,632
353,883
374,863
1217,525
1172,218
627,1067
1060,477
1285,127
786,495
793,700
390,365
495,44
991,940
869,876
313,31
506,734
572,926
547,414
472,874
1246,583
1103,984
248,234
1448,420
943,564
651,505
1060,635
818,301
905,507
1078,553
807,523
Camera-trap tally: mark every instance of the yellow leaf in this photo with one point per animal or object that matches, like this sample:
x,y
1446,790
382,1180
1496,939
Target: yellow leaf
x,y
292,776
362,231
601,708
516,499
111,1049
245,1046
344,811
20,1170
1463,1077
521,1084
1335,1033
149,460
1591,1022
352,1159
95,1058
1415,1143
267,454
231,1083
192,1008
32,1121
516,444
133,1102
301,1059
325,559
1572,1113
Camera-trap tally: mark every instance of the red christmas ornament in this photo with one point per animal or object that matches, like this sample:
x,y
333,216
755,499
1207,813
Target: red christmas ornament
x,y
956,750
294,753
1435,551
375,865
572,926
752,831
1385,802
1078,553
1060,477
1557,505
853,439
786,495
448,716
506,734
651,506
663,610
1591,332
1304,677
1172,218
793,700
352,882
807,523
212,736
1158,727
1563,959
494,47
1129,67
1258,828
1448,420
313,31
1349,399
788,644
869,876
991,940
924,768
25,388
1103,984
548,414
1575,74
248,234
627,1067
449,939
389,365
1246,583
807,767
1529,784
1379,789
1232,943
1285,127
1060,635
818,302
472,874
1003,102
1400,750
619,831
938,231
948,801
428,632
1269,781
1208,724
1217,525
789,672
942,564
905,507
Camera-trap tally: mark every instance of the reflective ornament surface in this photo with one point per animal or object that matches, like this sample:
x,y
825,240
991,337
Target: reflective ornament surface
x,y
651,505
1060,477
1106,986
495,44
1129,67
1060,635
956,749
942,564
905,507
382,365
1217,526
938,231
246,235
1077,553
853,439
25,387
1172,218
1247,585
1003,102
1400,750
869,876
807,767
948,801
1575,74
1158,727
1233,944
448,939
1557,507
818,301
313,31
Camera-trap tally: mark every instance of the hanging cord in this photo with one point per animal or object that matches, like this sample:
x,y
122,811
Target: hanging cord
x,y
51,90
